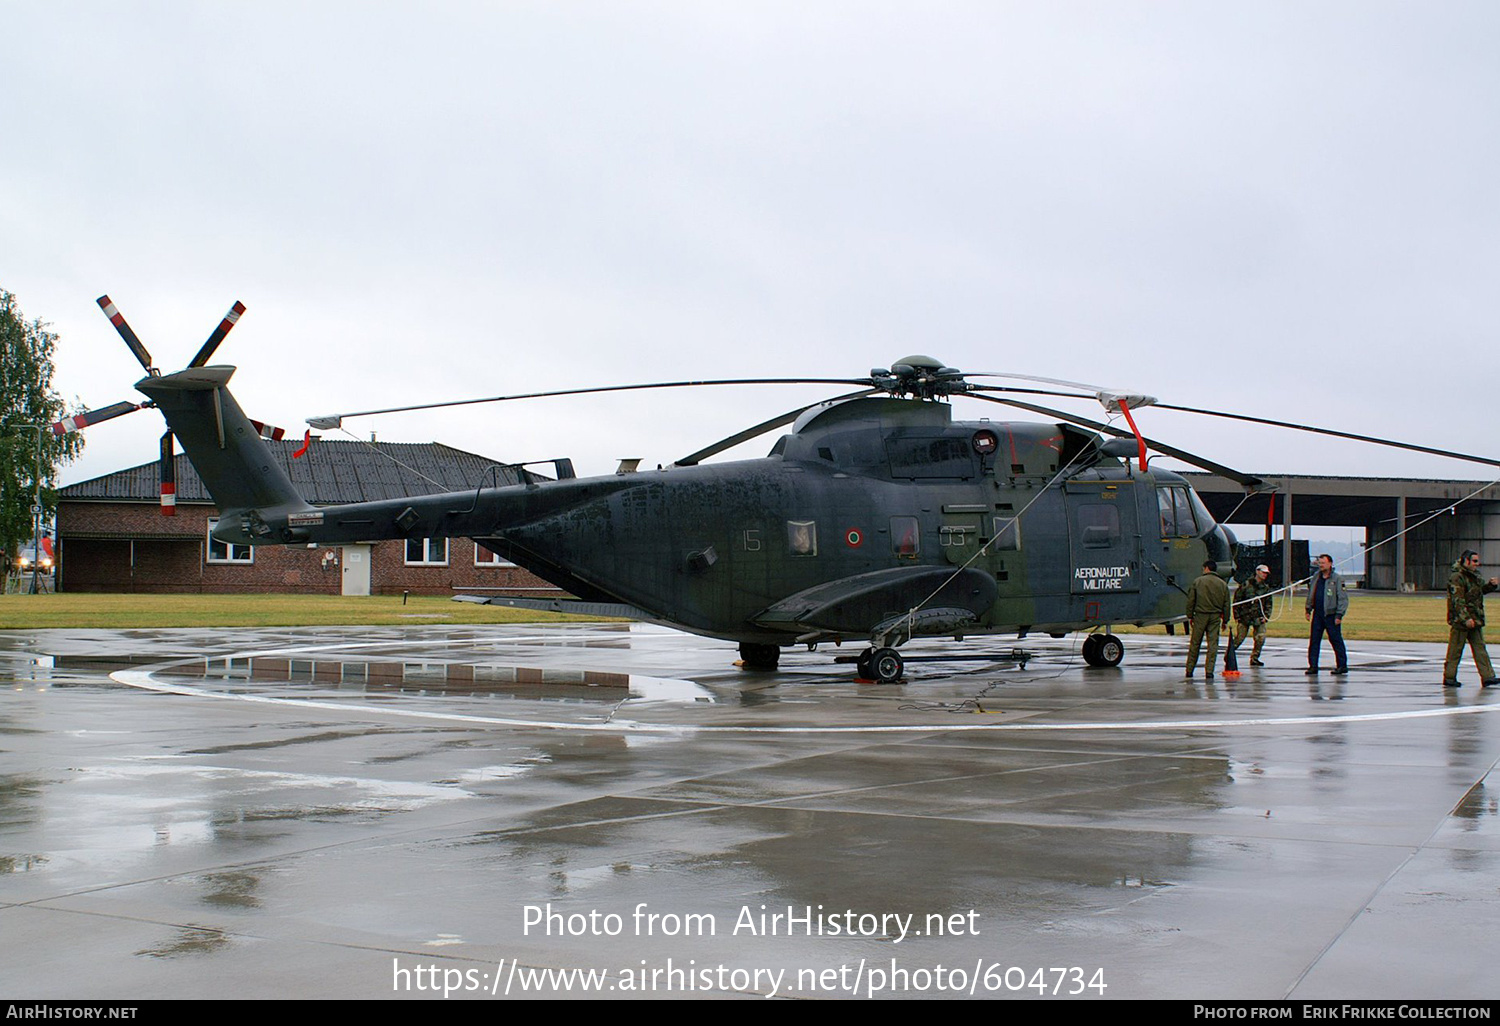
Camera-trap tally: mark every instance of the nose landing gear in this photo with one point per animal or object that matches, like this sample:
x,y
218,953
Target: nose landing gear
x,y
1103,650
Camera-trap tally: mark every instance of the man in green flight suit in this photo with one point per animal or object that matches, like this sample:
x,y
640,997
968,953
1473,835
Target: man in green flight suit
x,y
1252,608
1207,609
1466,620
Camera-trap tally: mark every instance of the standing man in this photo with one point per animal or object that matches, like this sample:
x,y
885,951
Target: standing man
x,y
1252,608
1207,608
1466,620
1327,602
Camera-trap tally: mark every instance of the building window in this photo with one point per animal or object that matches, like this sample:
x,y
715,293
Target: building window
x,y
484,557
427,552
226,552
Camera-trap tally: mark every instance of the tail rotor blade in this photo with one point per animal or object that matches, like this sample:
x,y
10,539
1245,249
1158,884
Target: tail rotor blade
x,y
168,476
79,421
118,320
230,320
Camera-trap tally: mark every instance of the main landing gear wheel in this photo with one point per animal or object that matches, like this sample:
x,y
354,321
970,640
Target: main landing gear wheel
x,y
759,657
1103,650
886,665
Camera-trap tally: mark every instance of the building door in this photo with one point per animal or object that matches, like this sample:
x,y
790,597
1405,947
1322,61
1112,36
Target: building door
x,y
356,563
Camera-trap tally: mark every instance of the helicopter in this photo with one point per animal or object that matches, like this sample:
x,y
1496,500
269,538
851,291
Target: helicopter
x,y
877,518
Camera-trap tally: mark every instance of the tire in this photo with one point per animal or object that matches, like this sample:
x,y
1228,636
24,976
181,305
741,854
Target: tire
x,y
1110,651
887,665
759,657
862,665
1091,649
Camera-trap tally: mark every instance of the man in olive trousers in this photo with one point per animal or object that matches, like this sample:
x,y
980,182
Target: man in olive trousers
x,y
1466,620
1207,611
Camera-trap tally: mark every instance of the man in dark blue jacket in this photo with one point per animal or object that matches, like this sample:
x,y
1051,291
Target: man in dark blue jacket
x,y
1327,602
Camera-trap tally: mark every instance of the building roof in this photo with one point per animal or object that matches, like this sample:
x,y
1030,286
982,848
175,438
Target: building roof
x,y
332,471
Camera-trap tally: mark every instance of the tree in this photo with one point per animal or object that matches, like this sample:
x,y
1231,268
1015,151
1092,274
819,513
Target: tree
x,y
26,398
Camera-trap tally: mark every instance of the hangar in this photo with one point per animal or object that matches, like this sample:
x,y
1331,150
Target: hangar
x,y
1414,527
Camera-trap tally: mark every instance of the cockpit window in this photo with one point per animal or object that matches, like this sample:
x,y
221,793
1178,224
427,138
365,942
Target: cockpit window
x,y
1205,518
1182,513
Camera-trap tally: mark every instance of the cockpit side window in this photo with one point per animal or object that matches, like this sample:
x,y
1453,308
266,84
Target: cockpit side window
x,y
1186,527
1168,510
1177,506
1205,518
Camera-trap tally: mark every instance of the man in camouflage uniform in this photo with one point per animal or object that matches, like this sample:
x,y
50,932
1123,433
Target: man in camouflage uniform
x,y
1207,609
1252,608
1466,620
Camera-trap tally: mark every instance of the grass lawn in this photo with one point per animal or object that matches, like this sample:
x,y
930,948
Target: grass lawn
x,y
135,611
1371,617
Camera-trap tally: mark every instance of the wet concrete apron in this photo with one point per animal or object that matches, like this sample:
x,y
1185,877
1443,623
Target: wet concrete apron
x,y
404,812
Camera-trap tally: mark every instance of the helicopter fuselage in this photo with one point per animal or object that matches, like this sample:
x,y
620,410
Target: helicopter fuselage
x,y
875,518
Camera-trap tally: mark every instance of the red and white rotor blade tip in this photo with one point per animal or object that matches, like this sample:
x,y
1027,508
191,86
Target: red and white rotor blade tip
x,y
79,421
118,320
230,320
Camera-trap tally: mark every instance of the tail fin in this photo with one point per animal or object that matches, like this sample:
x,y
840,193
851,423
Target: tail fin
x,y
225,447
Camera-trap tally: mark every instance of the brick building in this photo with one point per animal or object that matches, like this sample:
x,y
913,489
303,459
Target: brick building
x,y
112,536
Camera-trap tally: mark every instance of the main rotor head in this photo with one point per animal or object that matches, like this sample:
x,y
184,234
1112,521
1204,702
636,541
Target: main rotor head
x,y
920,377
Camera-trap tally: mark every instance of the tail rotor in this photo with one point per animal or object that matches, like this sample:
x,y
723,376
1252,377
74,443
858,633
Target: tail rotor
x,y
167,469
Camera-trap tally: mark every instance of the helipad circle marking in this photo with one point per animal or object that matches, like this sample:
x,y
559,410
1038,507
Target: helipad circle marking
x,y
145,679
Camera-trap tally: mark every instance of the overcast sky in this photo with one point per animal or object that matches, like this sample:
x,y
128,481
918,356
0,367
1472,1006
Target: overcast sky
x,y
1286,209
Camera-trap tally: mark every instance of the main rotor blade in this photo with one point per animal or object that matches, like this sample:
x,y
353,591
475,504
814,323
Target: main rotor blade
x,y
693,459
1093,390
118,320
1030,391
230,320
1245,480
79,421
1312,429
1336,434
332,420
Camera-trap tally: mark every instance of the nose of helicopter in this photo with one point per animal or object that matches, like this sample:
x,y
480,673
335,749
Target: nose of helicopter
x,y
1222,546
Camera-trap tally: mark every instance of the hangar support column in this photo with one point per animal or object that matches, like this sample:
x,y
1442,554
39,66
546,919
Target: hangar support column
x,y
1286,534
1400,542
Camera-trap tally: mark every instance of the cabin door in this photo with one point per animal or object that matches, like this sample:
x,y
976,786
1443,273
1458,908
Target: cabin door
x,y
1104,537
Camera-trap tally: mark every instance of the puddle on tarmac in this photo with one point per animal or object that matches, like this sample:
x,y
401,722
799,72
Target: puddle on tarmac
x,y
189,940
390,677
